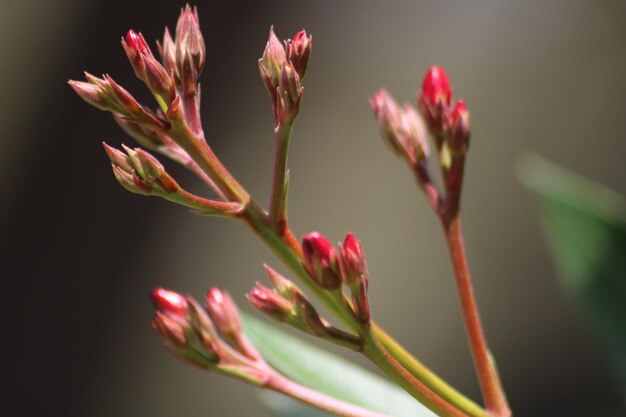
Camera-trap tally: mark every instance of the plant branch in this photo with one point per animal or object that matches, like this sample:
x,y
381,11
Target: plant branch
x,y
278,201
426,376
493,394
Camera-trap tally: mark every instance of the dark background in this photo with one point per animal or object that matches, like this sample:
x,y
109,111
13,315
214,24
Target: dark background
x,y
79,254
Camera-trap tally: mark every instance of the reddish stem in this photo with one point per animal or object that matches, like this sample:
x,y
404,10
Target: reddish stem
x,y
317,399
495,399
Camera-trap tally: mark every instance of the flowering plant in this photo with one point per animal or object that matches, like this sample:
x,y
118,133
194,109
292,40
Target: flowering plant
x,y
211,335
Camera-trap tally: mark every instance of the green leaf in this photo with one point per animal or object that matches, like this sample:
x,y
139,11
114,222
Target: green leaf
x,y
327,373
585,227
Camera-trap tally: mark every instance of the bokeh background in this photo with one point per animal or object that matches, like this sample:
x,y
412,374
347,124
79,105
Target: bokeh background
x,y
79,254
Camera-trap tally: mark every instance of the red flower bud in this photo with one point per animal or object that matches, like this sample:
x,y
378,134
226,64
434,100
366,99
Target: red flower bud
x,y
459,128
136,42
169,302
298,51
321,260
436,86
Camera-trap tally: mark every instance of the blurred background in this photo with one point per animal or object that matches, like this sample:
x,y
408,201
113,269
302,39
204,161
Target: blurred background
x,y
80,254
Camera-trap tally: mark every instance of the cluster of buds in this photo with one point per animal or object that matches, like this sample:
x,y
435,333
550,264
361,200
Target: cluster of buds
x,y
331,269
282,69
105,94
139,172
184,56
286,303
405,131
148,68
449,125
209,338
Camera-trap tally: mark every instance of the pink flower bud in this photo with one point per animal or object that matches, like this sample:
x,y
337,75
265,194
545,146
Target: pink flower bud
x,y
402,128
321,260
223,311
169,302
282,285
167,50
298,51
172,331
289,95
269,302
436,87
271,63
355,275
352,260
459,128
189,40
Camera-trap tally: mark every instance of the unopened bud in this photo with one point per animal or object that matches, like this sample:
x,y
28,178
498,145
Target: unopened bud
x,y
224,312
321,261
402,128
434,98
459,128
169,302
189,41
306,317
270,302
298,51
271,63
140,172
282,285
144,136
436,87
355,275
92,94
146,66
289,95
167,50
353,266
171,331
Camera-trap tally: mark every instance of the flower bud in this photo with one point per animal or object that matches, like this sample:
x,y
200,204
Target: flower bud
x,y
434,98
189,40
355,275
436,87
167,50
321,261
402,128
459,128
270,302
282,285
298,51
271,63
92,94
146,66
289,95
224,312
352,260
169,302
171,331
139,172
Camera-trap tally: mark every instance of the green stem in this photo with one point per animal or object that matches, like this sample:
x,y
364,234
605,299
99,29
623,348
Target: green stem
x,y
428,377
278,200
